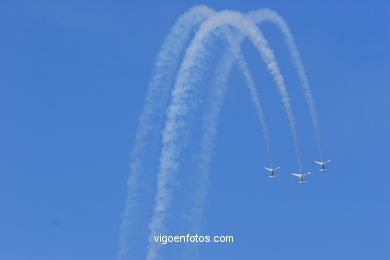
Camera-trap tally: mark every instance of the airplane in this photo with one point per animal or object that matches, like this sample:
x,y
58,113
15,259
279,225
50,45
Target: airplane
x,y
301,176
323,165
272,171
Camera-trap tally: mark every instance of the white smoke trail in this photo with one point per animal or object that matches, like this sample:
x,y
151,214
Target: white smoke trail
x,y
243,66
258,16
211,119
209,130
182,103
268,15
166,65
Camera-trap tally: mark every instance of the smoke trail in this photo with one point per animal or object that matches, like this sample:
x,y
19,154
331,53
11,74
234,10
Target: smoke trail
x,y
209,130
259,110
211,119
166,65
182,103
258,16
269,15
243,66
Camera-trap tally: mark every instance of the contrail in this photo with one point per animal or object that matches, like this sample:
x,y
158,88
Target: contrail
x,y
243,66
211,117
159,90
182,103
264,15
166,65
210,122
156,99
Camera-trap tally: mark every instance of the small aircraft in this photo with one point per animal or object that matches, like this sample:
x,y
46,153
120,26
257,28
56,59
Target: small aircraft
x,y
272,171
323,165
301,176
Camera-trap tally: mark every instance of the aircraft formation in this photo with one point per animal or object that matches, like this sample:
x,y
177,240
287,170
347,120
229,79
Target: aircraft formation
x,y
301,176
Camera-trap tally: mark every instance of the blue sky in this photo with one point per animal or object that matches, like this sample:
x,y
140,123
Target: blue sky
x,y
73,79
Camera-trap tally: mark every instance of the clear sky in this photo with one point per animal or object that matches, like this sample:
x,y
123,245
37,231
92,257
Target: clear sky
x,y
73,77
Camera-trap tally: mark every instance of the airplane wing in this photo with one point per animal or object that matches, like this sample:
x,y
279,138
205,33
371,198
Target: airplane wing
x,y
268,169
306,173
328,161
320,163
277,168
297,174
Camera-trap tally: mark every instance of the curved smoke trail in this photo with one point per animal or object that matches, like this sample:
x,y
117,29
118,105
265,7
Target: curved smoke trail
x,y
210,122
156,99
268,15
209,130
211,117
159,89
182,103
243,66
166,65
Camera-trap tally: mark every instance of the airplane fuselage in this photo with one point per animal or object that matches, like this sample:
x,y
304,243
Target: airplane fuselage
x,y
272,171
322,164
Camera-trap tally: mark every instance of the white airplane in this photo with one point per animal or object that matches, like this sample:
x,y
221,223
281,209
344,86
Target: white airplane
x,y
323,165
272,171
301,176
